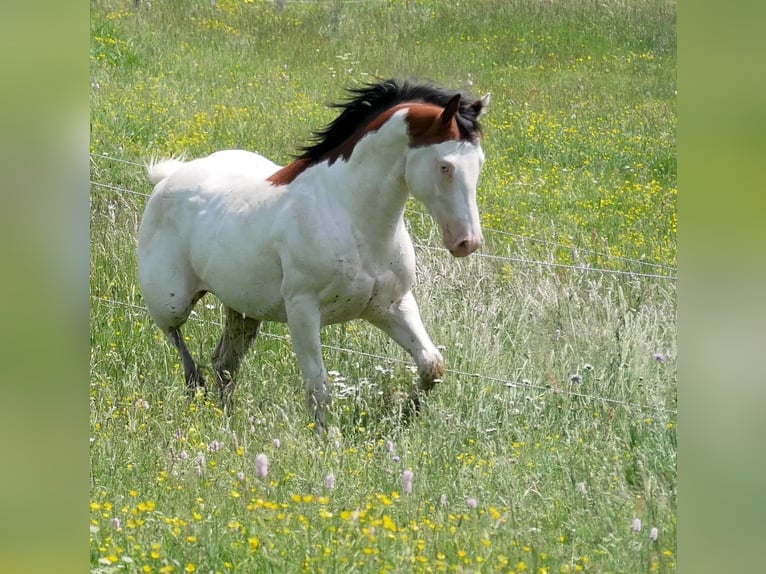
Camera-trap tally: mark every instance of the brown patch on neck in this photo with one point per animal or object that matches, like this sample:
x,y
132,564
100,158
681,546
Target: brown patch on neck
x,y
425,127
288,173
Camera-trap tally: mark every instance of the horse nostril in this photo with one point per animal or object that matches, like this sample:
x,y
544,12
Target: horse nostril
x,y
464,248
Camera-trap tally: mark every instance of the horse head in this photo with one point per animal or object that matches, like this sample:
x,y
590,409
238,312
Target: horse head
x,y
443,166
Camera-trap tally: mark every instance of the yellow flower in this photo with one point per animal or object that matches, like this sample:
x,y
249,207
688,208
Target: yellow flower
x,y
190,567
388,523
253,544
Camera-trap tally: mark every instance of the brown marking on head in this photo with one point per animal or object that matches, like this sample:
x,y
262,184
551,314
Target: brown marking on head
x,y
430,124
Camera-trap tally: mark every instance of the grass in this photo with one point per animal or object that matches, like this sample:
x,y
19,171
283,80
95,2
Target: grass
x,y
519,466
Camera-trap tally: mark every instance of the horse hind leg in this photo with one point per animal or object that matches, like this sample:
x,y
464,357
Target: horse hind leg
x,y
192,373
170,317
238,335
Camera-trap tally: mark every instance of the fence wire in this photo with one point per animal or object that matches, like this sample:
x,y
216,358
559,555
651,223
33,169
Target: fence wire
x,y
518,260
389,360
479,376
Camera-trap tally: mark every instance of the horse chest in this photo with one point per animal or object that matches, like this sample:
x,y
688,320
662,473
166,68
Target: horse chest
x,y
354,289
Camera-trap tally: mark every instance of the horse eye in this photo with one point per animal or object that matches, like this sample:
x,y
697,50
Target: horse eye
x,y
444,168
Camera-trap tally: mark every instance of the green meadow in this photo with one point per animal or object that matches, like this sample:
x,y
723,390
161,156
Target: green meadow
x,y
551,444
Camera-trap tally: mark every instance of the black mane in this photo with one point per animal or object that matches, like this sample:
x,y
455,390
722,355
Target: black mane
x,y
370,100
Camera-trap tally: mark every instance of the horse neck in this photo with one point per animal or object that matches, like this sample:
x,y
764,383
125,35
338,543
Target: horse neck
x,y
371,184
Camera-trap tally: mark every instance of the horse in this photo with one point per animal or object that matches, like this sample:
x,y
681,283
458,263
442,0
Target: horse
x,y
319,241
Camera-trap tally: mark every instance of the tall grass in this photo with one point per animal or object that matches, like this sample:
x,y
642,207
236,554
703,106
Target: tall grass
x,y
555,427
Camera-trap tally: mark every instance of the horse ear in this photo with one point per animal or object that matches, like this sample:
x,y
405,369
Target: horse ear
x,y
450,110
480,106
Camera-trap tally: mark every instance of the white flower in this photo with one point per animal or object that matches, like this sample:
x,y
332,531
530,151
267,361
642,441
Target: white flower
x,y
407,477
261,465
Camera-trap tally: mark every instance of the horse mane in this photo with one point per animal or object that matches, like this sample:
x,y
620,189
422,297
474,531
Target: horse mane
x,y
370,100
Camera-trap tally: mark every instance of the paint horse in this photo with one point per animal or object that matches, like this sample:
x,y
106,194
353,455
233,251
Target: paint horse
x,y
319,241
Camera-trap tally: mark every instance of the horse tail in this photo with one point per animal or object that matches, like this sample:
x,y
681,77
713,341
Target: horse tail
x,y
160,169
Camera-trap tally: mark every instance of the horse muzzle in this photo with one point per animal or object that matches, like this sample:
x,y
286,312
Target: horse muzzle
x,y
466,245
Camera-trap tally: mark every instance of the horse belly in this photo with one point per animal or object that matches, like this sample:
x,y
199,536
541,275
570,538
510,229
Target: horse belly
x,y
242,279
257,301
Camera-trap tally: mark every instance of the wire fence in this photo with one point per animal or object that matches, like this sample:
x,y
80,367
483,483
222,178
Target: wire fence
x,y
669,274
389,360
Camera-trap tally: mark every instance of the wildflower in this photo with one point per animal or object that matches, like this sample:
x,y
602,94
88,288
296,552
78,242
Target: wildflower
x,y
407,477
660,357
115,522
396,458
636,526
390,447
261,465
575,379
276,442
241,476
443,500
582,488
587,367
183,455
472,503
654,534
329,481
214,446
142,404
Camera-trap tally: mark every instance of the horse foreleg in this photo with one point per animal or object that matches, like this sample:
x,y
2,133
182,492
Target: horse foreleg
x,y
401,321
192,374
304,323
239,332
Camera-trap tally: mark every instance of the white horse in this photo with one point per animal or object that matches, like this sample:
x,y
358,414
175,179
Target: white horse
x,y
319,241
